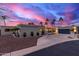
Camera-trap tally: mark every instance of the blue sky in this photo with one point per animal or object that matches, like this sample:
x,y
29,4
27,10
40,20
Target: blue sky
x,y
40,11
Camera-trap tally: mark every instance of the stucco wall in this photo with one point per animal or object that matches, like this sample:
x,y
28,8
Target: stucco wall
x,y
28,31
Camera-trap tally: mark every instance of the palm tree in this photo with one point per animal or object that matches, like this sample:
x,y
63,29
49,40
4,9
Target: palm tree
x,y
4,18
46,24
46,21
41,23
31,23
53,22
61,20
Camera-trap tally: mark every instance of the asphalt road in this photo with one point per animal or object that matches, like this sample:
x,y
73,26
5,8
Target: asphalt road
x,y
70,48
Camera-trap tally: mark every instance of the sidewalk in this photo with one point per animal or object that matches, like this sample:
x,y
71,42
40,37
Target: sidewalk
x,y
43,42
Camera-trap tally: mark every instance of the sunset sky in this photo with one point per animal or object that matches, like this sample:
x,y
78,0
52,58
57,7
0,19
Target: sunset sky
x,y
36,12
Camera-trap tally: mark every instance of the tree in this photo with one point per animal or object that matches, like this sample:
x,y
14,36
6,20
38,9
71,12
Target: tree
x,y
61,20
41,23
4,18
53,21
46,21
31,23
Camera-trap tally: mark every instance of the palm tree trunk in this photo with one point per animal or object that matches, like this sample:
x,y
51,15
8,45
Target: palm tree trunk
x,y
4,22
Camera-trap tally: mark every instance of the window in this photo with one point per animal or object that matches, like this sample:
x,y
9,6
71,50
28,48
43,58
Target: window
x,y
24,34
37,33
32,33
7,30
